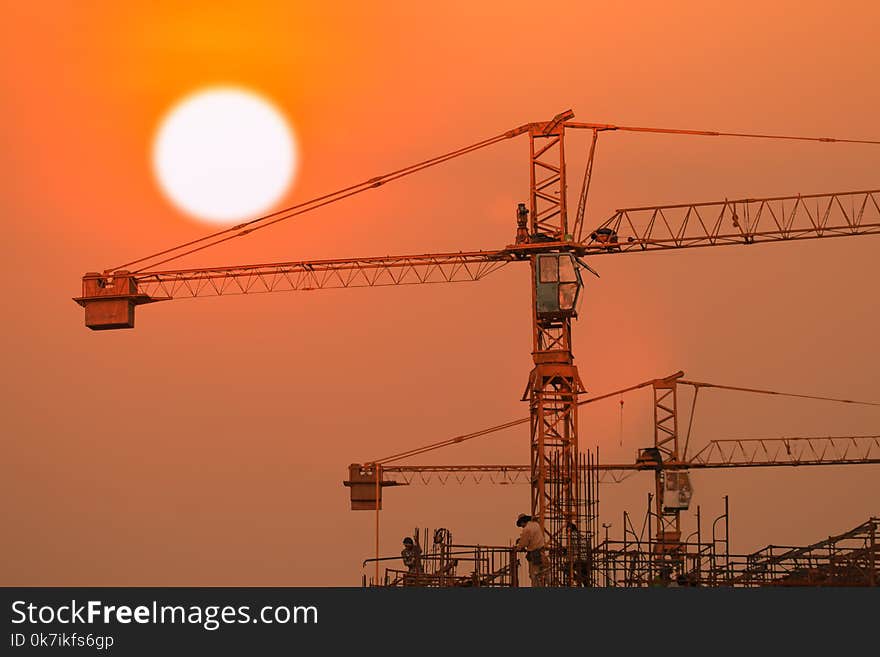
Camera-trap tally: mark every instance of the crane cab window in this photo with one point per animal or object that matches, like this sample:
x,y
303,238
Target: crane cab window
x,y
567,270
567,295
556,269
548,269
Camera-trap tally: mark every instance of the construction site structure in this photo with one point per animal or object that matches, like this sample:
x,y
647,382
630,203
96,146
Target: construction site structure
x,y
703,559
638,559
848,559
446,564
554,245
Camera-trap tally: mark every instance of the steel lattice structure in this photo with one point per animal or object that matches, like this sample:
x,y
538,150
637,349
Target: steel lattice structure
x,y
322,274
795,451
744,221
848,559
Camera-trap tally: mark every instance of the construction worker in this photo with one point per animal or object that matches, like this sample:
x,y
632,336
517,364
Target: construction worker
x,y
531,541
581,549
412,556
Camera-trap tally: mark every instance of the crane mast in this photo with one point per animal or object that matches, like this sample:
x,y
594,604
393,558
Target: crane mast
x,y
554,383
668,521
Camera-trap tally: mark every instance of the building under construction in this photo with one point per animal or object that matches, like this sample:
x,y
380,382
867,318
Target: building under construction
x,y
848,559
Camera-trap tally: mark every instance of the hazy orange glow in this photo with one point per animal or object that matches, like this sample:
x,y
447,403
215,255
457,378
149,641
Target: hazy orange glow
x,y
208,445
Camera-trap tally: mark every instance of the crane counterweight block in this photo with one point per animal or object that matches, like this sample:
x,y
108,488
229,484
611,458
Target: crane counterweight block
x,y
109,300
365,482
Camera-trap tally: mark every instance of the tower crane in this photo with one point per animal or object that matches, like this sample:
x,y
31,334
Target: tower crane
x,y
556,248
667,458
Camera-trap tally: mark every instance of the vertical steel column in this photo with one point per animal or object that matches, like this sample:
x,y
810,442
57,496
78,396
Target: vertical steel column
x,y
872,553
554,383
668,523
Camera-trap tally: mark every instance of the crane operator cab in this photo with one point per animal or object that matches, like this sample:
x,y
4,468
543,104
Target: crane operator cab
x,y
677,490
557,286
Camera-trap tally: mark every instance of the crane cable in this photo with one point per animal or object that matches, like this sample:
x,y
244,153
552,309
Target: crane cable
x,y
714,133
697,385
248,227
603,127
477,434
264,221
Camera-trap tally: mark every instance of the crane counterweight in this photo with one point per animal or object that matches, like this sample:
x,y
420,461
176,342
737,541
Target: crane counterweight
x,y
109,300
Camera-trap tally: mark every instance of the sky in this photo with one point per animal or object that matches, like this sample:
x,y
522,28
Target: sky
x,y
208,445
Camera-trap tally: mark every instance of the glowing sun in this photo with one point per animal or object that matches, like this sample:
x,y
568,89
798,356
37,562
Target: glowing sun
x,y
224,154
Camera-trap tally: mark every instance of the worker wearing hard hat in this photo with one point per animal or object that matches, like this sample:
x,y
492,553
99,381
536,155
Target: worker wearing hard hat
x,y
531,541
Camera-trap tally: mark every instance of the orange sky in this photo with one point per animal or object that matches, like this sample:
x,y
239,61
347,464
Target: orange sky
x,y
207,446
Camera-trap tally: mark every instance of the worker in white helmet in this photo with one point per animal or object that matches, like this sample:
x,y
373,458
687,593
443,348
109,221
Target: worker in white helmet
x,y
531,541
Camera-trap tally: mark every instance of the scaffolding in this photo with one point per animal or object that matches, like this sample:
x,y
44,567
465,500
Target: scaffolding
x,y
570,558
847,559
447,564
639,559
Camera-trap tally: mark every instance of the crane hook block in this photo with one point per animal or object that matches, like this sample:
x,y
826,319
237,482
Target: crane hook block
x,y
109,300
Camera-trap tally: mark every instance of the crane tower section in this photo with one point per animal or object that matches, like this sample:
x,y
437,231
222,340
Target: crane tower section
x,y
554,383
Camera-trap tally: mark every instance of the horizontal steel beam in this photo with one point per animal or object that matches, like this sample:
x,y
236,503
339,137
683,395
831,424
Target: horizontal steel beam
x,y
743,221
